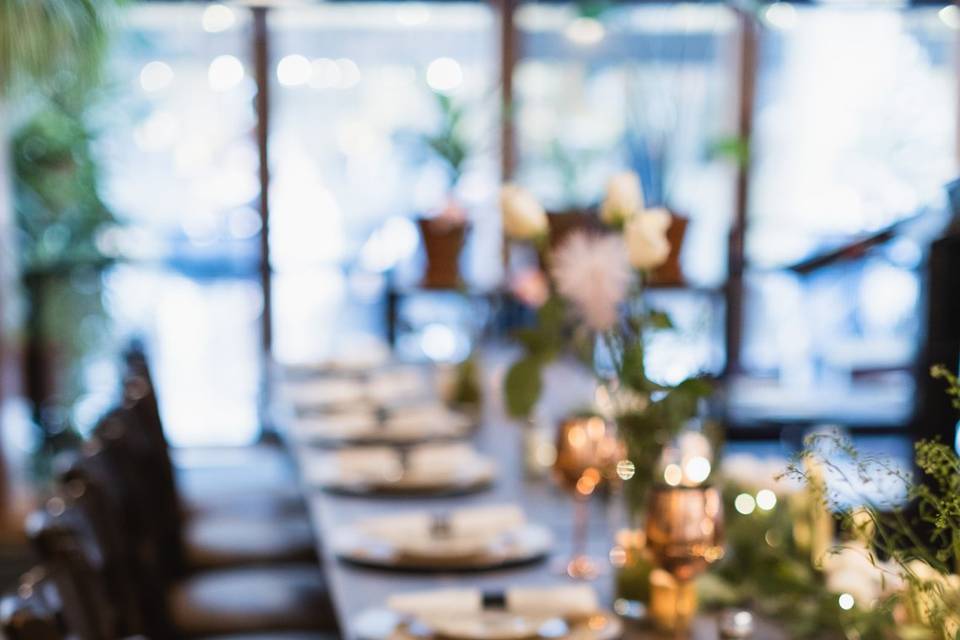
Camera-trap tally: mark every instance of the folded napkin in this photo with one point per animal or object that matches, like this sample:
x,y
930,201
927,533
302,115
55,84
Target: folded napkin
x,y
430,603
470,531
564,601
323,392
360,464
338,425
399,383
441,459
433,418
487,521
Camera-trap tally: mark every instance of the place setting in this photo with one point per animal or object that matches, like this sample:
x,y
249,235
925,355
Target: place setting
x,y
338,388
465,539
364,423
545,611
438,469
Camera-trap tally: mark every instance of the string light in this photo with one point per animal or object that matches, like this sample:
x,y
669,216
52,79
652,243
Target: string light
x,y
745,504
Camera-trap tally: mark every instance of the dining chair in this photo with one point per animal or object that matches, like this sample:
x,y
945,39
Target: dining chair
x,y
251,535
68,598
34,610
248,479
289,597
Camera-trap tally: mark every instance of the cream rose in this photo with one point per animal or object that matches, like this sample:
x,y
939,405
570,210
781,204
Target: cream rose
x,y
624,198
646,238
523,217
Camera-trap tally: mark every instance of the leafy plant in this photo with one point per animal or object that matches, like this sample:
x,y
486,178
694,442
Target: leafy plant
x,y
450,142
41,41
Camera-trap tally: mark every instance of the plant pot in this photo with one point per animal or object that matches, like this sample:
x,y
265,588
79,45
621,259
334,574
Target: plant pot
x,y
442,242
670,273
563,223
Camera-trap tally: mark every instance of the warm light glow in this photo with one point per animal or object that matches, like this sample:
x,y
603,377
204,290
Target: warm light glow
x,y
293,70
596,428
155,76
618,556
444,74
950,16
585,32
846,601
744,504
626,469
696,470
576,436
766,499
673,475
217,18
781,15
225,73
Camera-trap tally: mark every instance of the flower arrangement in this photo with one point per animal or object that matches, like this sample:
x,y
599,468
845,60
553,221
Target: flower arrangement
x,y
588,294
903,531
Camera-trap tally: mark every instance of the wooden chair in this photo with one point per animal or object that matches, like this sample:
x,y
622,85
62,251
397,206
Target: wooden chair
x,y
34,610
288,599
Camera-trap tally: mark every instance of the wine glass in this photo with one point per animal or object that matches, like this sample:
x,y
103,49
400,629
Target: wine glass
x,y
588,450
684,536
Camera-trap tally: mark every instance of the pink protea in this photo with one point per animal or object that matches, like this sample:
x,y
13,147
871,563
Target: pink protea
x,y
593,272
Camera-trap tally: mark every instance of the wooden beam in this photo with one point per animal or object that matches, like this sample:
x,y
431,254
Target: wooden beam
x,y
261,65
509,54
736,249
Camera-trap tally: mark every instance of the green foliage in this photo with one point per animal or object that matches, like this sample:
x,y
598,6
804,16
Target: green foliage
x,y
522,386
953,384
921,536
450,142
46,40
766,570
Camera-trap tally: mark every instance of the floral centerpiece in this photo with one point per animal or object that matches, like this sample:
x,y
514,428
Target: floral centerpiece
x,y
589,297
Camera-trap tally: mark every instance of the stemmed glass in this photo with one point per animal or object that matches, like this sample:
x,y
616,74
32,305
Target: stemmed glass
x,y
684,536
588,450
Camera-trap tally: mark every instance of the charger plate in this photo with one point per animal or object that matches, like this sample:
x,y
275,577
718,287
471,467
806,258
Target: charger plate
x,y
525,544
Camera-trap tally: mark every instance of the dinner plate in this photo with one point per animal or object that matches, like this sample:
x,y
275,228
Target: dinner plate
x,y
489,624
381,473
520,545
391,426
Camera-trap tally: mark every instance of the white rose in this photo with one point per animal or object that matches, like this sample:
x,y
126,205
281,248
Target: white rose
x,y
523,217
646,237
624,198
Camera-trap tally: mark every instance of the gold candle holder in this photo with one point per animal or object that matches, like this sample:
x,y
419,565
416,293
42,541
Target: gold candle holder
x,y
684,536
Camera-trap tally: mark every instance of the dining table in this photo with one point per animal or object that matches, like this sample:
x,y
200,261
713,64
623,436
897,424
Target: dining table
x,y
357,590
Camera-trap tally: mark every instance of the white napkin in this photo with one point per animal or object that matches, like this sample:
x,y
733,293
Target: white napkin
x,y
399,383
323,391
565,601
360,464
338,425
398,527
433,460
428,418
487,521
443,602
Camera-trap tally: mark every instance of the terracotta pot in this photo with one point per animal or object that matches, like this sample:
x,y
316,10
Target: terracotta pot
x,y
443,242
670,273
563,223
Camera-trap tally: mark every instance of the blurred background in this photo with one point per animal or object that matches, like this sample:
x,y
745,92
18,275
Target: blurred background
x,y
242,183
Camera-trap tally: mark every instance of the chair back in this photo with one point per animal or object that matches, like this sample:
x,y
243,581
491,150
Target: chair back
x,y
64,540
153,516
34,611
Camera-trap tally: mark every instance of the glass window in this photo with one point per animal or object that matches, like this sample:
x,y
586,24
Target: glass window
x,y
180,169
355,92
854,131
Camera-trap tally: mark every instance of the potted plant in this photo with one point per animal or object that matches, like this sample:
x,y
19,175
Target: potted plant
x,y
443,233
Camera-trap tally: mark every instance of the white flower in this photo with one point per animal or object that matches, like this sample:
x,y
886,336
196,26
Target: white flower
x,y
523,217
624,198
593,273
646,236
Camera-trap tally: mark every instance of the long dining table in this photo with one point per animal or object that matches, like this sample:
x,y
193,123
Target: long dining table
x,y
357,589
